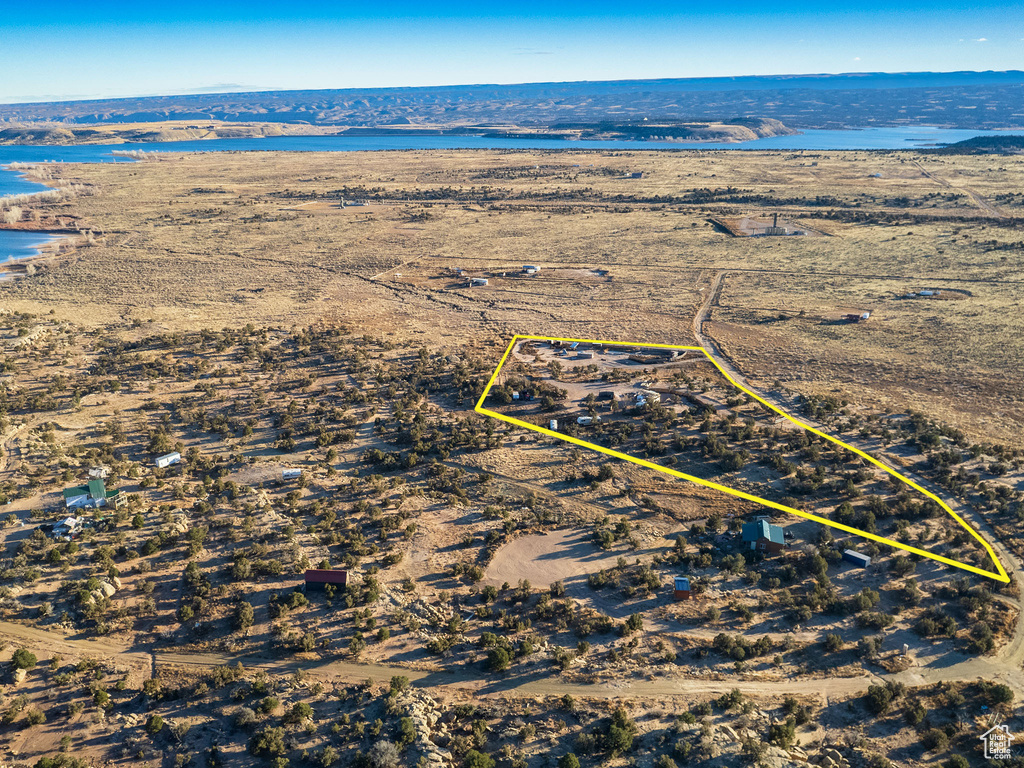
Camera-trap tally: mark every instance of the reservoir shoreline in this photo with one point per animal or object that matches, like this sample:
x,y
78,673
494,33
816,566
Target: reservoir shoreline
x,y
23,242
14,183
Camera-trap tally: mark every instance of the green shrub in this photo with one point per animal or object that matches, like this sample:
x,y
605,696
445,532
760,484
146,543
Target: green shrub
x,y
35,717
619,738
783,734
23,659
244,615
269,741
498,659
935,740
300,712
474,759
999,693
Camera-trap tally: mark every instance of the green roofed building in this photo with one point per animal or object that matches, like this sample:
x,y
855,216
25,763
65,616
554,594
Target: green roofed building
x,y
93,495
762,536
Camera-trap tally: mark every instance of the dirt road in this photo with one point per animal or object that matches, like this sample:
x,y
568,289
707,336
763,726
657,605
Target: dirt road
x,y
977,199
1006,664
537,679
5,447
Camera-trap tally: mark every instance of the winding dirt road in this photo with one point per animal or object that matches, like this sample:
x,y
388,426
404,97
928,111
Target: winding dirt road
x,y
1006,664
537,679
529,680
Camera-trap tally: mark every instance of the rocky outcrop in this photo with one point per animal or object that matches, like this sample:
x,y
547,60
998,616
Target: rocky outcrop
x,y
430,730
830,758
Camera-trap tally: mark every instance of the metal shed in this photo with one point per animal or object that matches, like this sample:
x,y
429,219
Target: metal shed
x,y
856,558
682,588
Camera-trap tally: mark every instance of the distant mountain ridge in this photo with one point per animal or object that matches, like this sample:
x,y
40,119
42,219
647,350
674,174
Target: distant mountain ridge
x,y
948,99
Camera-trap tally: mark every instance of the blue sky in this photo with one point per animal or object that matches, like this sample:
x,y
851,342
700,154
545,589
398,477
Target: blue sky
x,y
89,49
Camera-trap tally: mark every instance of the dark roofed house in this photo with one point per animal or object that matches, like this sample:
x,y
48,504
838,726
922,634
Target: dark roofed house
x,y
318,578
762,536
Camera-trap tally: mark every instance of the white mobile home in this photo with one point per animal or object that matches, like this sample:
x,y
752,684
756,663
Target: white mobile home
x,y
167,459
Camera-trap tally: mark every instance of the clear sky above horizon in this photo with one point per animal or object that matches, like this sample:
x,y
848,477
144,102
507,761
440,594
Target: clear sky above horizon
x,y
86,49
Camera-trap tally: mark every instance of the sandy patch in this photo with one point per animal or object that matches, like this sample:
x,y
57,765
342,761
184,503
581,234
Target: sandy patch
x,y
546,558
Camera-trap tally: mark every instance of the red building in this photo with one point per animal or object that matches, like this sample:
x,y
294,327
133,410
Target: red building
x,y
318,578
682,589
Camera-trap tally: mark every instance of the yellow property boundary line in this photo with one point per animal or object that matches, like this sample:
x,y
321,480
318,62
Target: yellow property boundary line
x,y
999,575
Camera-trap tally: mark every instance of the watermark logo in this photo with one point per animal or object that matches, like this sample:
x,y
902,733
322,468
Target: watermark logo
x,y
997,742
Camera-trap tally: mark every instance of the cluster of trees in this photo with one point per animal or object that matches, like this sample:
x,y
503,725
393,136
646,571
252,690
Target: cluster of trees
x,y
614,736
739,648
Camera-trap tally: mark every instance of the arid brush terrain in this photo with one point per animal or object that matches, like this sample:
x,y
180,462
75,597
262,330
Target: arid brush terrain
x,y
311,332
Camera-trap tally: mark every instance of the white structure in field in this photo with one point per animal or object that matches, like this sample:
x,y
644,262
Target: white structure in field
x,y
167,459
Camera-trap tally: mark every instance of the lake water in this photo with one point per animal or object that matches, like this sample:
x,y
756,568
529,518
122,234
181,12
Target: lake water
x,y
20,244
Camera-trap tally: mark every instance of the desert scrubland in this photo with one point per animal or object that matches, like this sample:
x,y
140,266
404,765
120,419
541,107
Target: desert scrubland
x,y
258,312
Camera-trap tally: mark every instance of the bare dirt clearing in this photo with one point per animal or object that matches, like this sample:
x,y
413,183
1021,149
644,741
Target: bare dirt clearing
x,y
546,558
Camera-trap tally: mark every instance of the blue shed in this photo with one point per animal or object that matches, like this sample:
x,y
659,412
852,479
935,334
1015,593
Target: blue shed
x,y
856,558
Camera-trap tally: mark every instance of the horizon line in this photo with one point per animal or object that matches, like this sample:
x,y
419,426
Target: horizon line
x,y
202,90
